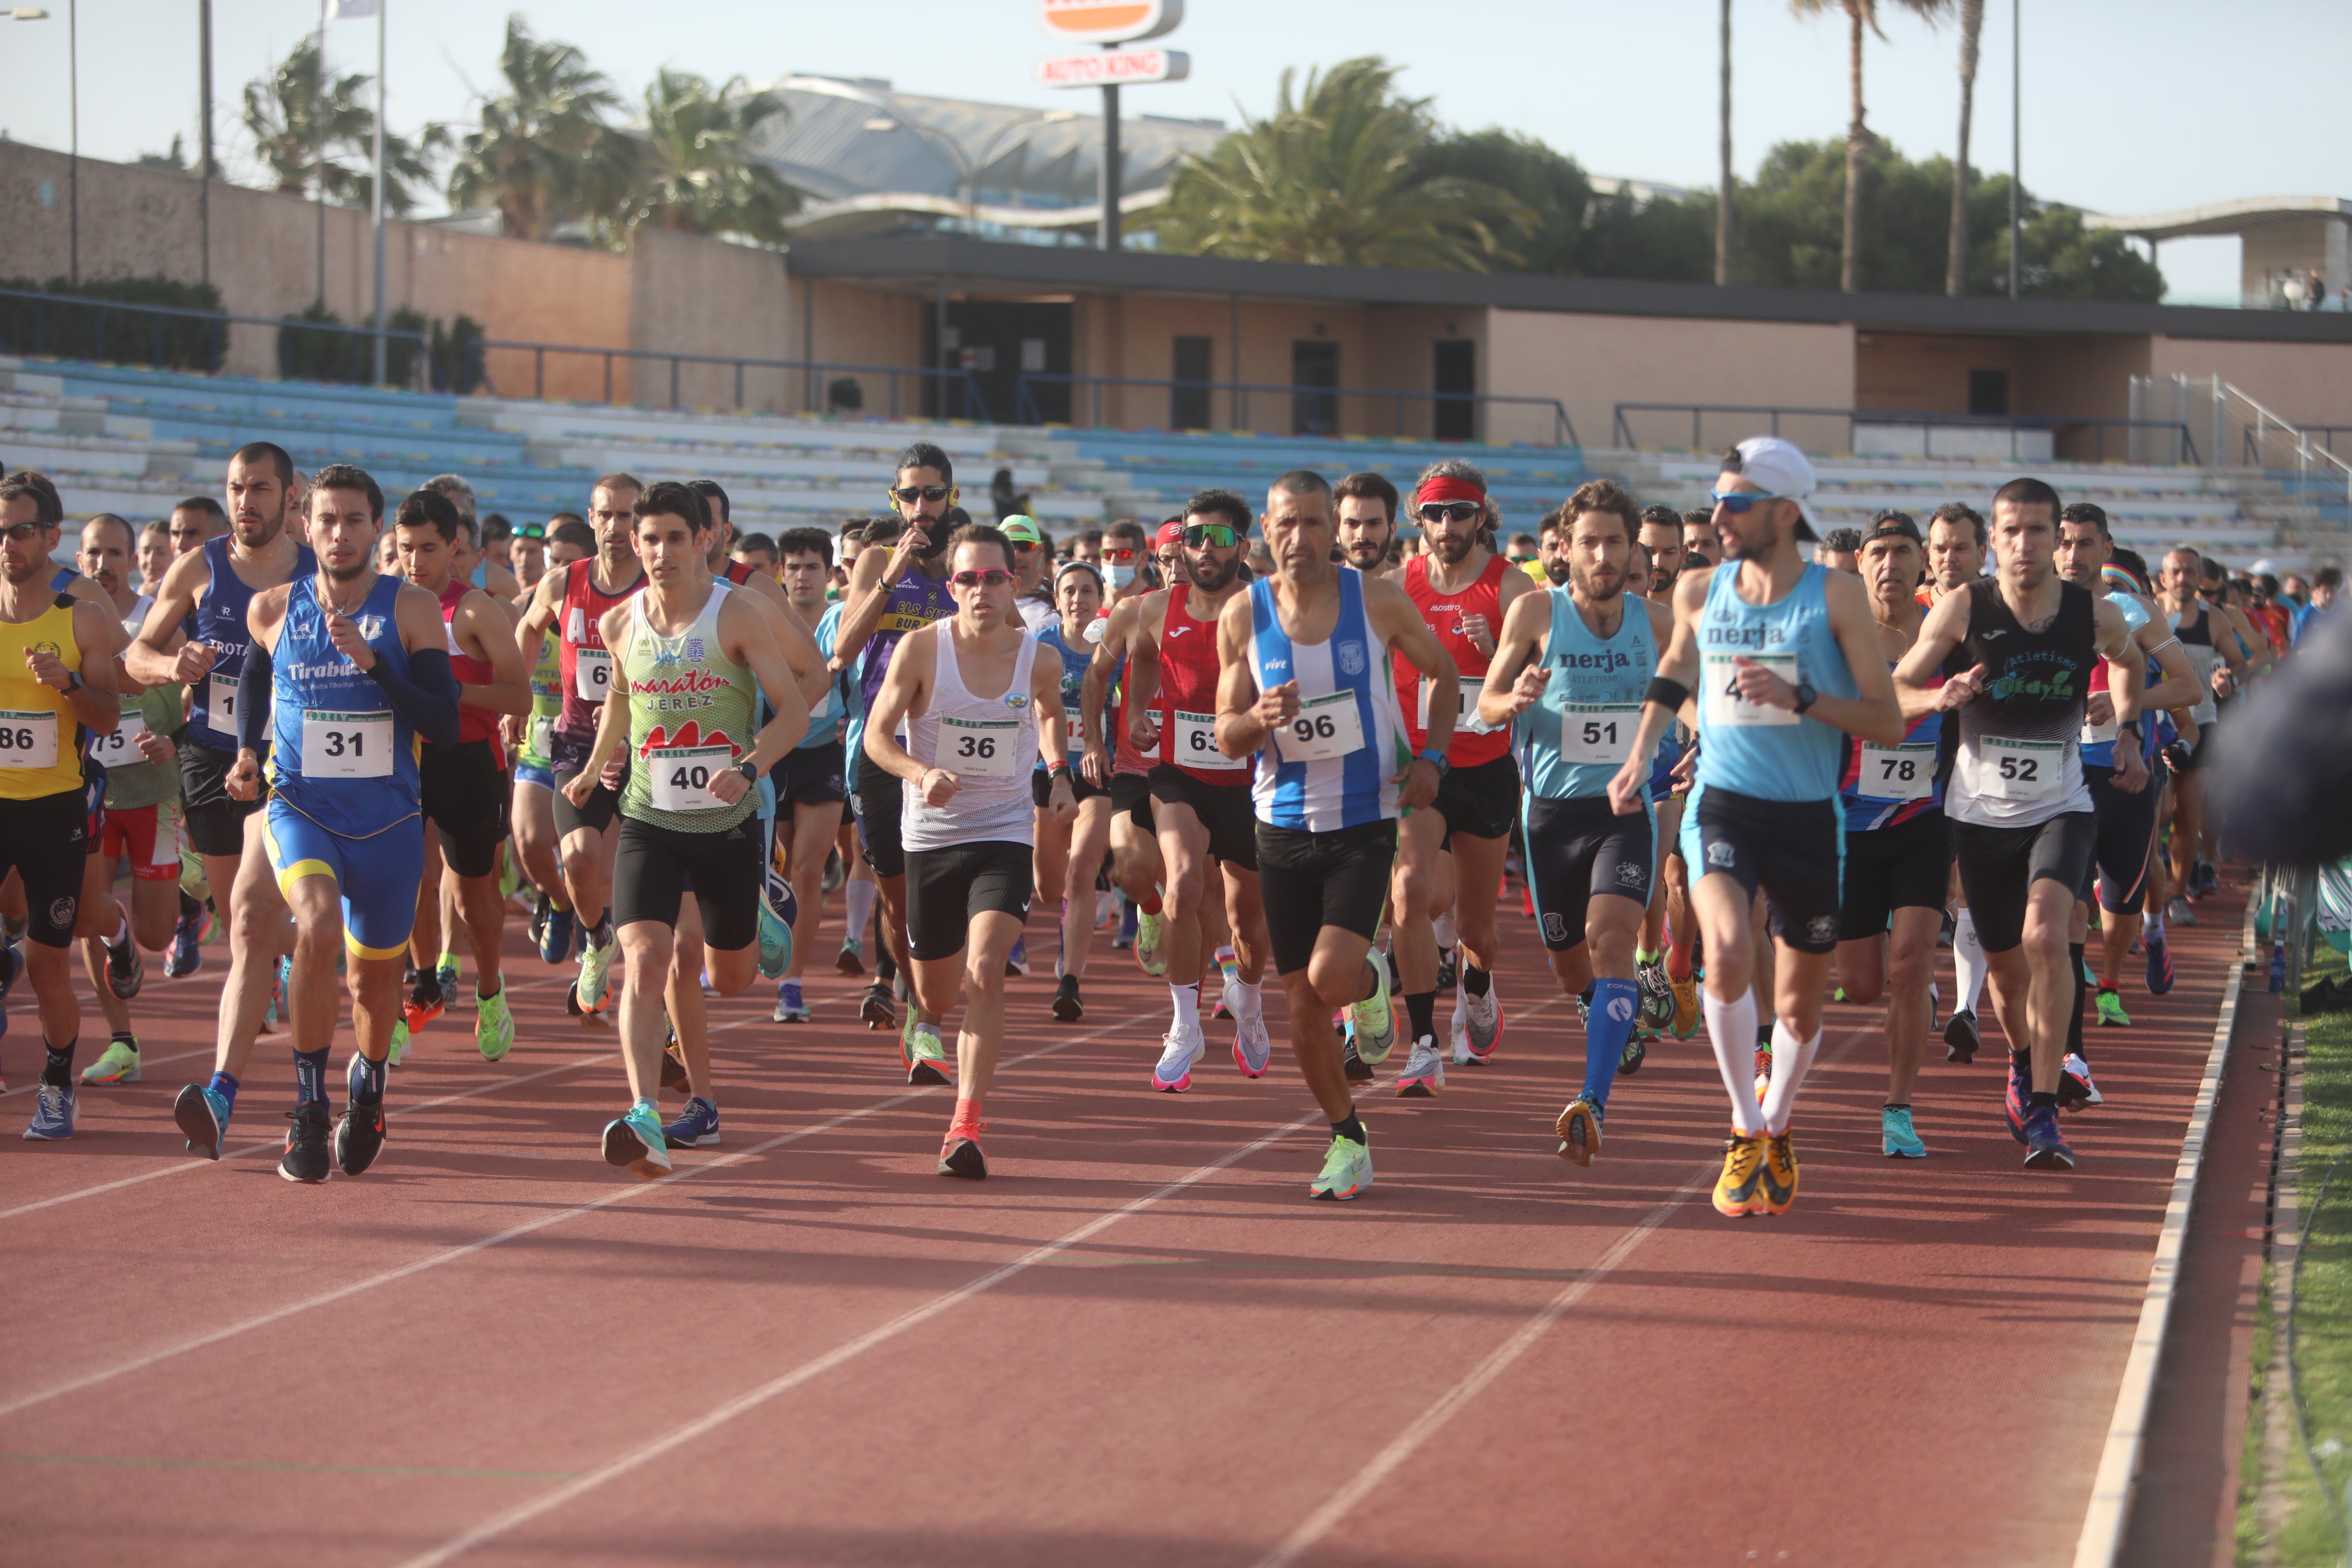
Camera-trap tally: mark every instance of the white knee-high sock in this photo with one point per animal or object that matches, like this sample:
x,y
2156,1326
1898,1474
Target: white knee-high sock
x,y
1791,1059
1969,959
861,908
1731,1029
1187,1000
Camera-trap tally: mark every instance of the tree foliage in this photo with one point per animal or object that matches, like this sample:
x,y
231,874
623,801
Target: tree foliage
x,y
543,154
693,170
315,132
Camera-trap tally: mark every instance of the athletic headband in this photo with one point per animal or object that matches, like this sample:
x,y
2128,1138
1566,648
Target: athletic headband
x,y
1170,532
1446,487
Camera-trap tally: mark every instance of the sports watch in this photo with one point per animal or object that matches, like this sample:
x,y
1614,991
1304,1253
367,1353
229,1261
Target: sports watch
x,y
1805,695
1435,759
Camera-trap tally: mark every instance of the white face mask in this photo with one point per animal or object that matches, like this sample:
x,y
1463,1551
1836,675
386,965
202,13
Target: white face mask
x,y
1122,576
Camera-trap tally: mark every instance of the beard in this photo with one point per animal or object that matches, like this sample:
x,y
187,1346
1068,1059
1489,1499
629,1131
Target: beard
x,y
1558,573
1760,548
358,568
26,571
1207,576
1602,594
1449,549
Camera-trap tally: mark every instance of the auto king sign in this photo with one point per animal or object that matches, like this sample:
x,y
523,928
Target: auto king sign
x,y
1109,21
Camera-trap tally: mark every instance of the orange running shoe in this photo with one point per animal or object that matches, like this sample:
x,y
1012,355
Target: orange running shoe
x,y
959,1152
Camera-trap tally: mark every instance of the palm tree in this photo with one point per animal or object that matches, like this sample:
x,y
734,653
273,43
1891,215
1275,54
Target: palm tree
x,y
694,171
544,152
1859,13
1331,177
1955,270
300,117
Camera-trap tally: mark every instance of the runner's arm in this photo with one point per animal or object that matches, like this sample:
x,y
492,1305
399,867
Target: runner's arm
x,y
611,717
1678,666
2178,689
484,625
427,695
1396,619
96,702
791,635
1245,716
870,581
905,683
1525,625
546,604
1143,669
154,657
753,631
1874,714
1094,695
1053,727
1946,628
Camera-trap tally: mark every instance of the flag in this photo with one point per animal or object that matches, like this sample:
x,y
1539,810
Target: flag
x,y
345,10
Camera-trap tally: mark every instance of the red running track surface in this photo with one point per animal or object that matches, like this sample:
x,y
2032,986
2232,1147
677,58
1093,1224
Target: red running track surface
x,y
1139,1341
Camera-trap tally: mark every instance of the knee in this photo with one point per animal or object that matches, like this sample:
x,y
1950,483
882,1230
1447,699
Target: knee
x,y
1414,890
1334,983
1863,990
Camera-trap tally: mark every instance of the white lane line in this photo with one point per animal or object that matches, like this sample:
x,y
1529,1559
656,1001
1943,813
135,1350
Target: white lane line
x,y
751,1399
451,1255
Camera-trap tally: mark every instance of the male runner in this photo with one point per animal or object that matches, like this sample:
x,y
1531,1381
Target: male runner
x,y
1662,536
194,523
1568,678
1368,505
1701,542
1307,685
568,539
1111,760
348,669
2215,655
1199,801
1955,550
1464,590
692,657
1785,659
1033,596
1070,854
56,687
812,781
2022,825
978,705
1663,961
155,554
481,571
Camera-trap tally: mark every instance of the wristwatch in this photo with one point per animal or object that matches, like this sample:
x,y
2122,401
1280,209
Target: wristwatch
x,y
1805,695
749,770
1435,759
73,681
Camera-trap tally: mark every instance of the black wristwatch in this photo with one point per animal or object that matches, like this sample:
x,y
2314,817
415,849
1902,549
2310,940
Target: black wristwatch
x,y
1805,696
73,681
749,770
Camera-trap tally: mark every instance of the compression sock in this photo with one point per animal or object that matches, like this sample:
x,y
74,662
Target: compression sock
x,y
1478,982
365,1080
226,1087
1731,1030
1607,1027
1792,1059
1352,1129
2151,924
310,1076
1150,906
1969,959
861,907
1421,1006
57,1071
1447,934
2074,1017
1188,1006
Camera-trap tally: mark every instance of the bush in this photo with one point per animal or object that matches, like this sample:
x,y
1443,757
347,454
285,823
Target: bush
x,y
311,353
456,363
64,327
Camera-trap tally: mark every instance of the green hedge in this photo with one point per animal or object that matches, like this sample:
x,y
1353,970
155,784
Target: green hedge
x,y
67,326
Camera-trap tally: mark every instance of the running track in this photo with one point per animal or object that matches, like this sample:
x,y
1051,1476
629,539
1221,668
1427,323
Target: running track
x,y
1137,1343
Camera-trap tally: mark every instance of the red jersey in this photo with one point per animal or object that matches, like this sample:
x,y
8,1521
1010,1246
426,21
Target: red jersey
x,y
473,723
1443,615
586,667
1188,697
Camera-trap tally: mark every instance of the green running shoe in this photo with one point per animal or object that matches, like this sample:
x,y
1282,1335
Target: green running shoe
x,y
118,1063
927,1060
2111,1012
493,1026
1898,1136
1374,1021
399,1043
596,973
1347,1170
635,1143
1147,954
775,943
446,972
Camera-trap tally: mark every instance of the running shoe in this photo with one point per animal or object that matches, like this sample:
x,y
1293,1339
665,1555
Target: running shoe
x,y
1484,1028
635,1143
399,1043
1960,1039
2111,1010
1763,1071
1148,954
277,996
1687,1008
426,1001
1347,1170
118,1063
1657,993
775,943
1739,1190
1372,1023
1448,972
1221,1013
447,972
1067,1007
126,971
53,1113
1579,1129
1131,921
927,1060
595,971
494,1027
959,1150
359,1136
203,1118
1016,963
790,1008
851,959
2046,1148
1898,1137
2204,879
1358,1072
2077,1091
1779,1187
2160,972
835,871
2178,912
537,926
1180,1050
1424,1070
1636,1052
696,1126
307,1159
185,955
1253,1044
877,1009
2018,1098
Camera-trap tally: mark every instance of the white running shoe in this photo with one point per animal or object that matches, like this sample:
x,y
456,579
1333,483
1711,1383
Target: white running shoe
x,y
1180,1051
1424,1070
1253,1046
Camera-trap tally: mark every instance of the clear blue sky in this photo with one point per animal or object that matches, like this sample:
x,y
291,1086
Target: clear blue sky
x,y
2130,107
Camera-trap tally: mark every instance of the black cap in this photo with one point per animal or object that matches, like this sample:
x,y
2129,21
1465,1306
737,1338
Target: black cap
x,y
1894,524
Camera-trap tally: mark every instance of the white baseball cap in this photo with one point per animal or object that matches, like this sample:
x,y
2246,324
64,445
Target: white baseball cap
x,y
1778,468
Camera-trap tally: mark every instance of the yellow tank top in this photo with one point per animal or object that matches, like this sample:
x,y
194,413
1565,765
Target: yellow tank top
x,y
40,740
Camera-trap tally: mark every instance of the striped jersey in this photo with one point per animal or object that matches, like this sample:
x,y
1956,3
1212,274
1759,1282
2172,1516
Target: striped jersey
x,y
1332,766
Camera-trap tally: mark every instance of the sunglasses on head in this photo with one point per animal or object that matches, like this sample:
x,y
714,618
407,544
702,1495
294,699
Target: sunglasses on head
x,y
988,577
1220,534
530,531
1449,511
1738,501
908,495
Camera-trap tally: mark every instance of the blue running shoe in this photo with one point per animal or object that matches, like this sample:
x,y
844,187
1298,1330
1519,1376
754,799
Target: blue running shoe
x,y
790,1008
2020,1097
1018,961
2046,1148
53,1114
2160,972
779,908
554,935
186,956
696,1126
1898,1137
203,1118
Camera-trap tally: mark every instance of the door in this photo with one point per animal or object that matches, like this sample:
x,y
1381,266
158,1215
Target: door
x,y
1988,392
999,341
1188,400
1314,362
1456,416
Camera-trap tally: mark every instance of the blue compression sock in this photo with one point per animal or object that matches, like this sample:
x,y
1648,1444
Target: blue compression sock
x,y
226,1087
310,1076
366,1083
1611,1025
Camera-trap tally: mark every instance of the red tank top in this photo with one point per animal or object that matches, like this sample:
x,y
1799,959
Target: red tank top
x,y
1443,615
473,723
737,570
583,606
1188,684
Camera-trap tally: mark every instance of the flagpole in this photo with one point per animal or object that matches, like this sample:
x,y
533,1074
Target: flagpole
x,y
381,6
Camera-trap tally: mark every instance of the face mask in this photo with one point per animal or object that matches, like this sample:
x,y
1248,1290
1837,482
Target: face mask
x,y
1122,576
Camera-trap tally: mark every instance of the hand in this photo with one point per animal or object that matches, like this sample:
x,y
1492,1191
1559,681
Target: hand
x,y
2176,758
2221,680
1143,730
1761,687
1417,786
195,661
616,772
836,664
1960,691
510,730
1529,690
913,543
46,668
345,634
156,747
2131,770
730,785
1062,800
938,786
2099,707
244,779
1098,766
1631,786
1277,706
578,788
1480,632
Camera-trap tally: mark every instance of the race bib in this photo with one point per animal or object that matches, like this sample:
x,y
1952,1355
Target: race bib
x,y
681,775
27,740
2100,734
542,737
1325,727
1074,717
120,750
220,702
1724,704
346,745
1600,733
980,748
592,673
1897,772
1196,743
2020,770
1467,722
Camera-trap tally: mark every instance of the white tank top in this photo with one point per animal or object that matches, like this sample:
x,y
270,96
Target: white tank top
x,y
990,743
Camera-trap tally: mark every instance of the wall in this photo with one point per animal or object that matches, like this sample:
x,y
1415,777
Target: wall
x,y
690,294
1913,374
2310,384
851,325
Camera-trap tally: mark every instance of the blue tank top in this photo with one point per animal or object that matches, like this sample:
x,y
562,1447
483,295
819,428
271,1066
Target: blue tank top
x,y
1770,753
64,576
1331,766
1886,786
1073,677
339,754
219,623
822,722
1576,736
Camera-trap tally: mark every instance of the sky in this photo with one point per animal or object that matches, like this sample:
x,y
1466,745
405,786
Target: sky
x,y
2147,115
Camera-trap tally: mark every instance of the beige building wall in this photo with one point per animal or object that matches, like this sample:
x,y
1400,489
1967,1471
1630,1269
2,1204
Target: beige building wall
x,y
1913,374
2310,384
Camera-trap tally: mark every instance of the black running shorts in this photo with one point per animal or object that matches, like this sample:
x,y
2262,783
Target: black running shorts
x,y
1790,848
1041,788
464,795
811,775
1999,867
653,867
1132,793
1224,809
880,807
216,824
2127,831
1309,880
604,805
1905,867
1577,848
947,889
45,841
1481,801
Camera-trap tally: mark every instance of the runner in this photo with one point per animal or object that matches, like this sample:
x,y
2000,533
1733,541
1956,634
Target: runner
x,y
196,635
480,570
2023,829
811,788
1070,852
1568,678
1307,685
1701,542
1112,759
1198,799
57,688
194,523
1034,598
1464,590
1956,557
568,539
348,669
1368,505
155,554
964,768
2216,656
692,655
1663,959
1790,661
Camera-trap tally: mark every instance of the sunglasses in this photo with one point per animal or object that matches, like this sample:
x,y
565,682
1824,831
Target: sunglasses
x,y
1738,501
988,578
1449,511
1021,548
1222,535
913,493
530,531
1120,552
22,532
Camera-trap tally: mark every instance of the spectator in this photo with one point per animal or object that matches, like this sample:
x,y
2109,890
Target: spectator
x,y
1008,501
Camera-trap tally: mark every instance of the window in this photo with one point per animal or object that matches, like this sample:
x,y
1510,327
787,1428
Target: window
x,y
1187,401
1314,362
1988,392
1455,417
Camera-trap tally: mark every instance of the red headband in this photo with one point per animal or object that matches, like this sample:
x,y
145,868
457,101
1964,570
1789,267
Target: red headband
x,y
1171,532
1445,487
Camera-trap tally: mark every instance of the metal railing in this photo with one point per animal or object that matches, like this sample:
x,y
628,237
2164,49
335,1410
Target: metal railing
x,y
1027,410
55,316
970,403
1926,421
2284,474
